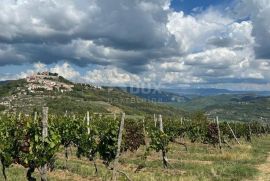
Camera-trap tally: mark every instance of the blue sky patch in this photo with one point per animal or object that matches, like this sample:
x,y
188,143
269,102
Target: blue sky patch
x,y
189,6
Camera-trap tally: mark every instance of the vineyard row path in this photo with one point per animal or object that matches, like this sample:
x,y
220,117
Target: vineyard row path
x,y
264,170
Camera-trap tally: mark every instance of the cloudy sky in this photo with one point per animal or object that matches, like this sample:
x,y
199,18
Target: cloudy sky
x,y
178,43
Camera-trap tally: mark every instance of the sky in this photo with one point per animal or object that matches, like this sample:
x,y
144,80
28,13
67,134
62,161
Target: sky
x,y
142,43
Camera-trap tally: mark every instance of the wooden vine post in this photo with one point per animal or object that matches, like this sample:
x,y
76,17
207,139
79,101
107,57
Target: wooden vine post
x,y
88,122
164,157
155,120
19,117
100,116
233,133
43,169
143,126
115,166
234,127
249,132
144,132
35,117
66,113
219,137
160,123
145,135
88,132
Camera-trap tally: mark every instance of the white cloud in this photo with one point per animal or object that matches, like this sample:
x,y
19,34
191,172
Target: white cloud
x,y
259,12
191,32
215,58
110,76
235,35
180,78
66,71
40,67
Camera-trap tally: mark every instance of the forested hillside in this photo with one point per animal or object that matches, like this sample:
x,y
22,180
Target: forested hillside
x,y
15,96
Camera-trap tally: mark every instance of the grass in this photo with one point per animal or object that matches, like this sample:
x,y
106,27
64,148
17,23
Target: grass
x,y
201,162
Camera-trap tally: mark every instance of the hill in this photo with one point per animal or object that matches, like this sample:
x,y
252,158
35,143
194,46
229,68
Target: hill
x,y
61,95
244,107
212,92
156,95
228,105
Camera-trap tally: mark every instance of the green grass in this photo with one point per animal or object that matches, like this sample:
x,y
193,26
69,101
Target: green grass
x,y
201,162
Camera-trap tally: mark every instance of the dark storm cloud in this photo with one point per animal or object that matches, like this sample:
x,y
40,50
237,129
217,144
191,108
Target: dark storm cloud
x,y
261,29
51,31
138,39
9,55
258,12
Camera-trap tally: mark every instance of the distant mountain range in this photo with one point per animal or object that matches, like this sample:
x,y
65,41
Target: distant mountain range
x,y
178,94
185,94
212,91
245,107
155,95
228,105
4,82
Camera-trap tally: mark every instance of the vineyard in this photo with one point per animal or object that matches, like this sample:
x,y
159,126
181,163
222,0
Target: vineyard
x,y
113,145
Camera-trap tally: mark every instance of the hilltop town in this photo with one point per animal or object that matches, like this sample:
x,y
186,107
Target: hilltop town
x,y
47,81
39,84
45,88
